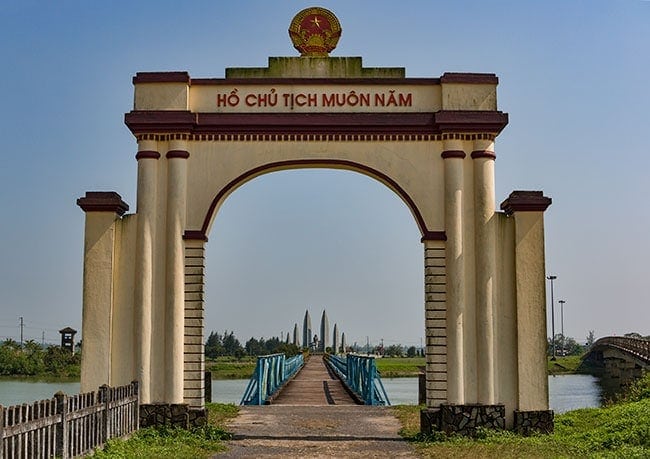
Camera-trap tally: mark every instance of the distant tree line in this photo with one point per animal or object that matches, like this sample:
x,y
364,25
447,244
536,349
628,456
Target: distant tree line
x,y
227,344
32,359
565,345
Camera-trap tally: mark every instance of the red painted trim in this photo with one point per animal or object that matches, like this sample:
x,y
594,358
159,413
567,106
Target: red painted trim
x,y
434,236
453,154
177,154
316,81
142,122
184,77
483,154
469,78
161,77
103,201
195,236
147,154
526,201
307,163
470,121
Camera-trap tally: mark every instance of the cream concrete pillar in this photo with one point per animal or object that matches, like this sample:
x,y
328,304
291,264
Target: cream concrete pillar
x,y
147,158
103,211
175,271
454,186
527,208
484,209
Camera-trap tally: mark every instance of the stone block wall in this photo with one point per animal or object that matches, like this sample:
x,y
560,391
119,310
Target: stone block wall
x,y
174,415
462,419
528,422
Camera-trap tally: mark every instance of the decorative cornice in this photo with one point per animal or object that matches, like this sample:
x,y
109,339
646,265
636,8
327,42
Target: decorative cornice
x,y
313,137
453,154
142,122
526,201
469,78
476,154
161,77
195,236
103,201
184,77
147,154
183,154
434,236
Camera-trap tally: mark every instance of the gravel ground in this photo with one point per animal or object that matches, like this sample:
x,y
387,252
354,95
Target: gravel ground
x,y
316,431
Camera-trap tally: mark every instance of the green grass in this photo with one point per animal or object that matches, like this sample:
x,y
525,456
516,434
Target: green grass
x,y
231,368
619,430
167,442
398,367
564,365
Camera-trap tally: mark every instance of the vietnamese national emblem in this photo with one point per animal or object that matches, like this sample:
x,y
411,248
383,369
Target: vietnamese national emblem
x,y
315,32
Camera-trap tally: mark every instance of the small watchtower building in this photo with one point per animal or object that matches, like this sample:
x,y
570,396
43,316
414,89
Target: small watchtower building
x,y
67,338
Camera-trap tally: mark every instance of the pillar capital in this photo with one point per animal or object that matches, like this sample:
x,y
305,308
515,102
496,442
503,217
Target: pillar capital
x,y
525,201
184,154
476,154
103,201
147,154
453,154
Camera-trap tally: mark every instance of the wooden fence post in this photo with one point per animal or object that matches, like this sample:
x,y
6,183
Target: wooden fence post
x,y
104,398
136,414
62,427
2,432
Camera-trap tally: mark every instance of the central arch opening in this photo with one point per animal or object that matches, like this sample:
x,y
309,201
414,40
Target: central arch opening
x,y
316,239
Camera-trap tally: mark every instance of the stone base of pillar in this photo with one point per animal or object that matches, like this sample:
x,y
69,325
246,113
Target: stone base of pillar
x,y
462,419
174,415
528,422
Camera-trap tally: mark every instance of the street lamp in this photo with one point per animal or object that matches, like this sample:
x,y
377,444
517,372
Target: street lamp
x,y
562,321
552,278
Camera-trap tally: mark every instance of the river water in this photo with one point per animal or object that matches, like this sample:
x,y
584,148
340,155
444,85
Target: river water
x,y
566,392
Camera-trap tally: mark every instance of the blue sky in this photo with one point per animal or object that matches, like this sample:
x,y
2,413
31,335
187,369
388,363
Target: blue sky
x,y
573,77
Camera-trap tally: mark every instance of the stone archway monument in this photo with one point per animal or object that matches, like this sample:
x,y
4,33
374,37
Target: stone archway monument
x,y
430,140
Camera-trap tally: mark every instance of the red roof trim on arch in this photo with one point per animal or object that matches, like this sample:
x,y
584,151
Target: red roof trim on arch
x,y
280,165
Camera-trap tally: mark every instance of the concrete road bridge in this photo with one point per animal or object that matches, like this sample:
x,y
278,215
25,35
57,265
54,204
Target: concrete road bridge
x,y
621,359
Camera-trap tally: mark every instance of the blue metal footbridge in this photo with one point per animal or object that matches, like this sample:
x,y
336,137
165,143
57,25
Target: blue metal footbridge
x,y
352,379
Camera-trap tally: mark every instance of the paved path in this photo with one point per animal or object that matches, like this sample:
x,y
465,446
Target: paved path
x,y
316,431
315,417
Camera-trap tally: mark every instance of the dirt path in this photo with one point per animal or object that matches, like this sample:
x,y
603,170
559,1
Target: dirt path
x,y
316,431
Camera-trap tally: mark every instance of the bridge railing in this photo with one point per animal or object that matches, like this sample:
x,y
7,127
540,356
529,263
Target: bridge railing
x,y
639,347
271,373
359,373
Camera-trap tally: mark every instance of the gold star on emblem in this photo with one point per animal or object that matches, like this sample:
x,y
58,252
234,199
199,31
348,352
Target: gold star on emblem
x,y
316,21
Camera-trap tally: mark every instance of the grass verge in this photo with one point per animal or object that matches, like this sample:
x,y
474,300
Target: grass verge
x,y
619,430
231,368
399,367
167,442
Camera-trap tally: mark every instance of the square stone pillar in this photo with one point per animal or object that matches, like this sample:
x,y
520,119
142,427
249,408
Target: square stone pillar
x,y
527,208
103,212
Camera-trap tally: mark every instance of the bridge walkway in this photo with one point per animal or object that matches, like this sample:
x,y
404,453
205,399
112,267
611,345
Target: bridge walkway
x,y
314,385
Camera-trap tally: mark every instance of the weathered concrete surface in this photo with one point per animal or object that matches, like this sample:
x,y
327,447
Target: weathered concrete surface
x,y
316,431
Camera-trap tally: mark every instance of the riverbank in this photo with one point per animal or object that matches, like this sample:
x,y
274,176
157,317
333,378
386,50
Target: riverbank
x,y
617,430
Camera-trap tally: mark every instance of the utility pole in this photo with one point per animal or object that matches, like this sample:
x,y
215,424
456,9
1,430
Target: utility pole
x,y
367,346
552,278
22,325
43,339
562,321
